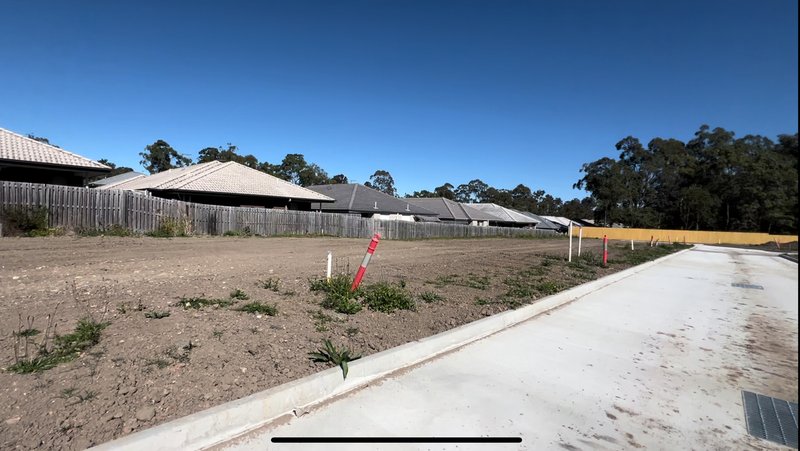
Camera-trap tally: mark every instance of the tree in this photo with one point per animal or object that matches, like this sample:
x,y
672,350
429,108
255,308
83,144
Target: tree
x,y
41,140
474,191
160,156
224,155
339,179
445,191
382,181
115,170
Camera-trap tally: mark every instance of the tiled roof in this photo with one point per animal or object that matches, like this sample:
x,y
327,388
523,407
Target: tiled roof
x,y
356,198
542,222
117,178
452,210
221,178
18,148
504,214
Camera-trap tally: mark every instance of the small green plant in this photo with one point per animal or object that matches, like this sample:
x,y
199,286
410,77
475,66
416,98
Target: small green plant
x,y
198,303
442,281
548,287
351,331
68,392
156,315
321,320
217,334
430,296
519,287
257,307
181,356
330,354
27,333
386,297
158,363
239,294
271,284
477,282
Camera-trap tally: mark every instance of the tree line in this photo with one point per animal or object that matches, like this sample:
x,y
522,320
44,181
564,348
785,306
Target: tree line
x,y
714,181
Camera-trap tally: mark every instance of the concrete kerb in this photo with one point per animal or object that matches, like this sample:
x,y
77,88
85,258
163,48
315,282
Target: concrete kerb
x,y
227,421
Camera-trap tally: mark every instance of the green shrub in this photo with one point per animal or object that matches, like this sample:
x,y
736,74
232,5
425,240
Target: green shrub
x,y
239,294
27,221
171,227
386,297
337,292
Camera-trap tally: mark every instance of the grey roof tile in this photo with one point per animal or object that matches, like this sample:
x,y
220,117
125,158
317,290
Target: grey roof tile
x,y
504,214
356,198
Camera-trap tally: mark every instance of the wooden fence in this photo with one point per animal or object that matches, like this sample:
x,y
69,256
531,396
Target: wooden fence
x,y
86,209
689,236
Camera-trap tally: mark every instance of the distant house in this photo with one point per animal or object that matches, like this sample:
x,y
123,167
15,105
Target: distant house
x,y
23,159
115,179
356,199
543,223
454,212
218,183
505,217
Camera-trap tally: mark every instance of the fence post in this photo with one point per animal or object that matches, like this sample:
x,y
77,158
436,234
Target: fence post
x,y
605,250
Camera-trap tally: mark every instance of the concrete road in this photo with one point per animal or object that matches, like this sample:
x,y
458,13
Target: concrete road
x,y
657,360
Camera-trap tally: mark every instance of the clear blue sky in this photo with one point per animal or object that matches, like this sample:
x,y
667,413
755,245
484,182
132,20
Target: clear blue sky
x,y
432,91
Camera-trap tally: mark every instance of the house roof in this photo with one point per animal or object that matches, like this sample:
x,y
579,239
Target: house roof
x,y
543,222
452,210
356,198
117,178
219,178
559,220
504,214
21,149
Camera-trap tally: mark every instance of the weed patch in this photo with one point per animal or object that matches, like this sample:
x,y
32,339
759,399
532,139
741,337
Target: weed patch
x,y
198,303
239,295
171,227
259,308
64,347
337,292
430,297
386,297
156,315
270,284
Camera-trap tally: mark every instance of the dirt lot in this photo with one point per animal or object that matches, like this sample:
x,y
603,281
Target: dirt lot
x,y
146,371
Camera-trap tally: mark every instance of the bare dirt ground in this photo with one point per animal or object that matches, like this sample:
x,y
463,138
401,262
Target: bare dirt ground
x,y
145,370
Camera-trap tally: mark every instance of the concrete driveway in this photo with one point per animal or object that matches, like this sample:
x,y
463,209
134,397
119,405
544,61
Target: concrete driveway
x,y
657,360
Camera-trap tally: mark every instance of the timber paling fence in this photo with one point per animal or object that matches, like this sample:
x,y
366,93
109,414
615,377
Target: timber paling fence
x,y
86,209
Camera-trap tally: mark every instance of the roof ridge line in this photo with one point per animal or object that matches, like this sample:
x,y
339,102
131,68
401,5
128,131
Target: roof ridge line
x,y
194,171
352,196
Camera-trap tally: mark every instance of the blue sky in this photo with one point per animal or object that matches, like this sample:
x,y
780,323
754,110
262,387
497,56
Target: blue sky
x,y
432,91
